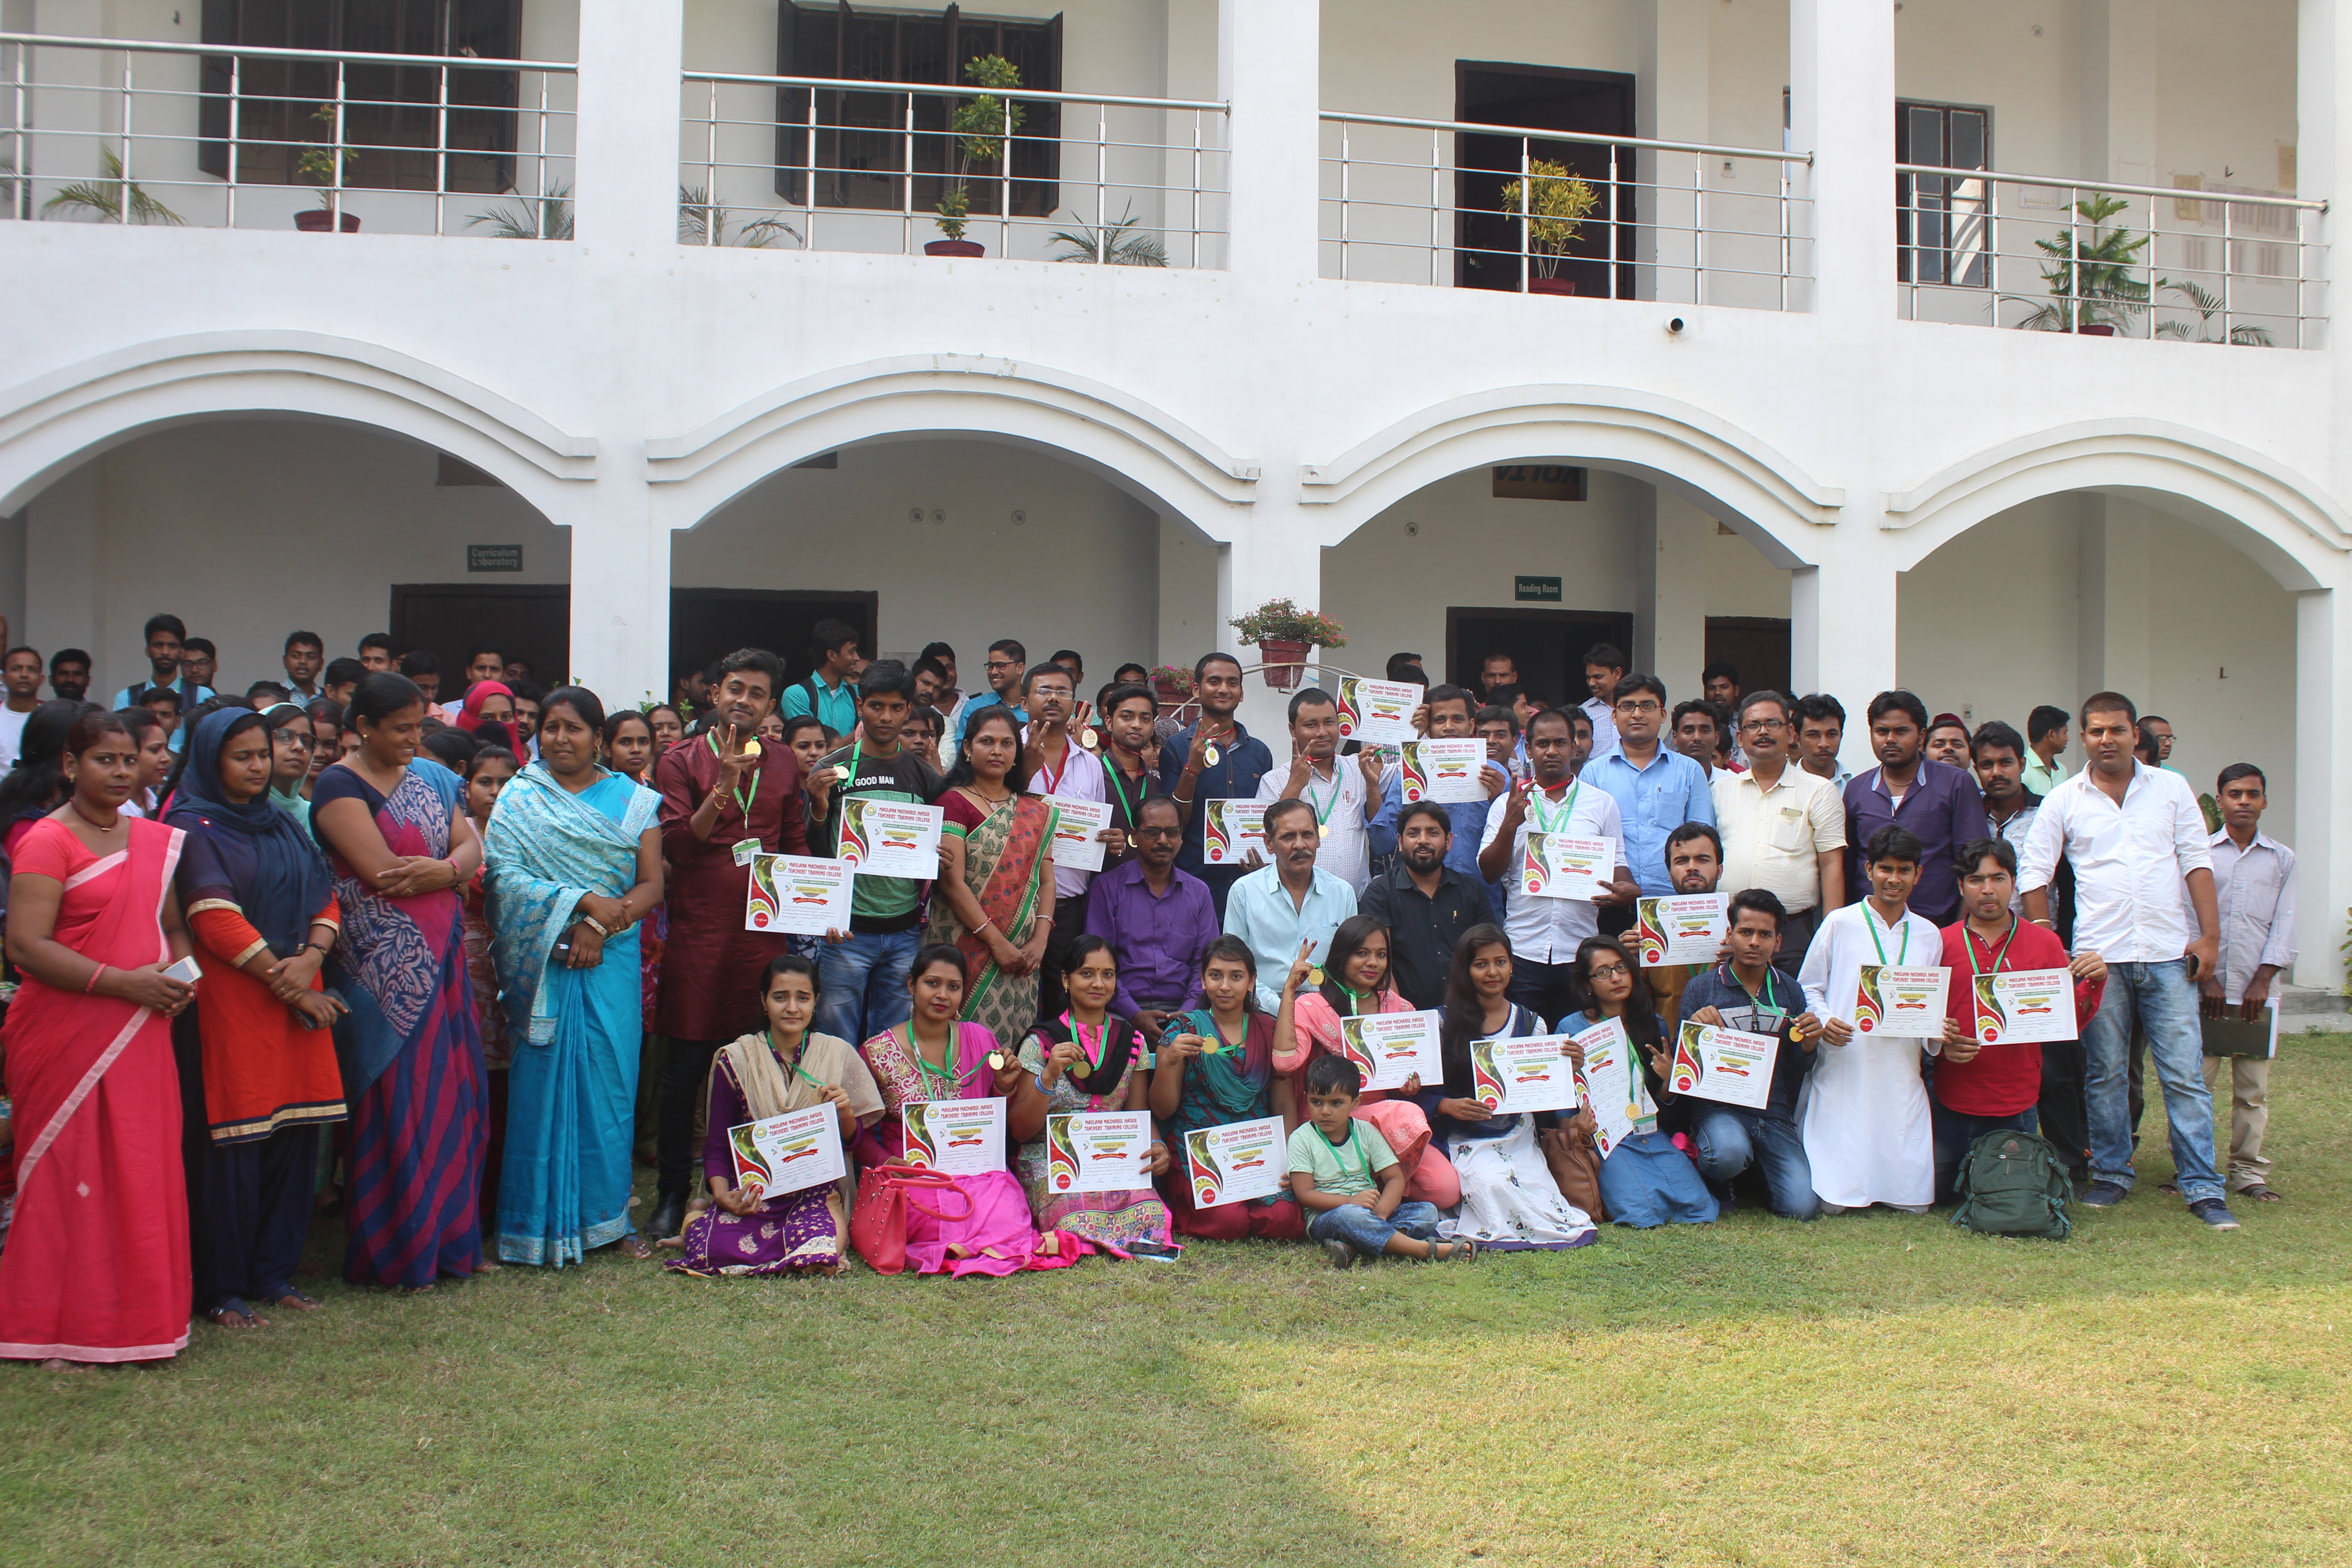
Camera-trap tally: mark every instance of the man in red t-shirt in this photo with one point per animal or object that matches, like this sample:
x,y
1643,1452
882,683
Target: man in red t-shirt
x,y
1979,1088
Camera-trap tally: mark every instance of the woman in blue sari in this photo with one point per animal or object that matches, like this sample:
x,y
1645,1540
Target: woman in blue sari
x,y
574,864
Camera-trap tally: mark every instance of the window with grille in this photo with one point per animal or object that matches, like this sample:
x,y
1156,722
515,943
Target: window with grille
x,y
1943,221
863,151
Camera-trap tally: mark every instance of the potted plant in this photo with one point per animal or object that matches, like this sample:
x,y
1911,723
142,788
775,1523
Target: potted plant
x,y
2092,290
323,166
1172,685
1120,244
2208,305
1562,201
103,199
1283,633
981,127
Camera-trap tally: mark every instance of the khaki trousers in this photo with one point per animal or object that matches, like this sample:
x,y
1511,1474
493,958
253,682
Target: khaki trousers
x,y
2250,1115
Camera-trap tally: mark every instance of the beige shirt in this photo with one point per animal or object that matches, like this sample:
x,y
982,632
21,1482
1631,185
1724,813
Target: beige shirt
x,y
1772,838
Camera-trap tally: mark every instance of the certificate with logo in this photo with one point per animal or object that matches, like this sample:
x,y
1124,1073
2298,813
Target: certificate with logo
x,y
1559,867
1447,771
1237,1161
961,1137
1076,824
890,838
1903,1003
1724,1065
1509,1077
1098,1152
1377,712
2019,1006
793,895
1612,1086
1389,1049
1688,928
1230,829
785,1153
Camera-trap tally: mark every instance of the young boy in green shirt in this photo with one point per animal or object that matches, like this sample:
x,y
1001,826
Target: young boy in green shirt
x,y
1344,1176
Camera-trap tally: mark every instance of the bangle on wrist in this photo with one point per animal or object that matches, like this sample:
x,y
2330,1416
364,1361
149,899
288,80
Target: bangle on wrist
x,y
592,924
93,985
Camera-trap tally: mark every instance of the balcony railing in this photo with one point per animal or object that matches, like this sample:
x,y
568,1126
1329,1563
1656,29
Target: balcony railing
x,y
2109,260
226,136
1440,201
816,163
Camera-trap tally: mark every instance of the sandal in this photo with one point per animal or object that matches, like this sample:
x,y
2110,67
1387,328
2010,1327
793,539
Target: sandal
x,y
233,1313
2260,1193
296,1300
636,1246
1460,1251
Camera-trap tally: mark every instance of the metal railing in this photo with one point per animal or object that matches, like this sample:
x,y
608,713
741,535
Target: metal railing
x,y
826,164
1438,200
2109,260
218,135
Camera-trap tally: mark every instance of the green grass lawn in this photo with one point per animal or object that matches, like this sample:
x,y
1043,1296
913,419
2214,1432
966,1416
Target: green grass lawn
x,y
1877,1388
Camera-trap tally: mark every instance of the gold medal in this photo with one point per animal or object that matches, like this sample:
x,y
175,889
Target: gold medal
x,y
996,1061
1324,829
751,748
1086,739
1315,976
1213,754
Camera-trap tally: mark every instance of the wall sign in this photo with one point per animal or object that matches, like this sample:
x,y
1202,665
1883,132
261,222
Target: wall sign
x,y
1538,481
494,558
1541,590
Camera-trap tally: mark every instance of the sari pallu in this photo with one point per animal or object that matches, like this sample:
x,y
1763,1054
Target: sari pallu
x,y
412,1055
96,1265
1004,860
572,1088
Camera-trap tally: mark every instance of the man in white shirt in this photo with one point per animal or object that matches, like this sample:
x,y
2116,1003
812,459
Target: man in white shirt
x,y
1545,932
1783,829
1345,797
1604,666
21,672
1058,766
2135,836
2253,888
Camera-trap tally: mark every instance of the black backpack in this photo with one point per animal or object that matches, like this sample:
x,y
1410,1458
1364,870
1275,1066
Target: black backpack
x,y
2013,1184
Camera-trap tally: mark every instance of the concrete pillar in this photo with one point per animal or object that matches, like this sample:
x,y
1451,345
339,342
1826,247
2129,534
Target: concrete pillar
x,y
2112,619
1669,604
2323,760
1276,556
1842,109
1268,69
1842,632
2119,93
1670,98
630,52
620,583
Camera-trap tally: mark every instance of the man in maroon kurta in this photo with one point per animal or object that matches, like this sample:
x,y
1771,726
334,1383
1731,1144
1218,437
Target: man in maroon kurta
x,y
719,800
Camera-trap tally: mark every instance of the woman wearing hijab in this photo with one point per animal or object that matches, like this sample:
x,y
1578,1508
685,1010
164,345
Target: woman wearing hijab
x,y
490,701
260,902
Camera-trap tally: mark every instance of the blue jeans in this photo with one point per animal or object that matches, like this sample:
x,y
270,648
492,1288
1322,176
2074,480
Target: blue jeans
x,y
1957,1131
1730,1140
2162,1000
1646,1182
1366,1232
862,984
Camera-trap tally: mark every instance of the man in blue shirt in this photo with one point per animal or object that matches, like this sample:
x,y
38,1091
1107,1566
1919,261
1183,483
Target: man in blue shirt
x,y
1657,788
827,692
1008,664
167,640
1215,759
1447,715
1275,907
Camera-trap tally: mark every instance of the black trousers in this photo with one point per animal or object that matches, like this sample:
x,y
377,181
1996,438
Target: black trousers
x,y
684,1065
251,1208
1069,924
2065,1117
1548,990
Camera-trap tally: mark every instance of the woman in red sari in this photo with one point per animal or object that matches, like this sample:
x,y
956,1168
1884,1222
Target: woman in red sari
x,y
96,1267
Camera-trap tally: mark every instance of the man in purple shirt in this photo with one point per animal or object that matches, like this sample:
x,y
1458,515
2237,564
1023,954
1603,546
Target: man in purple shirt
x,y
1940,803
1158,920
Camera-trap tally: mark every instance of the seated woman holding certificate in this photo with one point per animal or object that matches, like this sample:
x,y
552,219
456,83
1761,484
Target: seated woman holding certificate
x,y
1645,1181
1086,1060
1509,1197
1215,1067
782,1067
934,1056
1354,980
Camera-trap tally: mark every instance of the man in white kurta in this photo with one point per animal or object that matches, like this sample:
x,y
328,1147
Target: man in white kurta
x,y
1867,1130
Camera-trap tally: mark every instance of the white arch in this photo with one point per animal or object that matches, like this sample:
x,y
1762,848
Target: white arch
x,y
1121,438
54,423
1729,471
2277,517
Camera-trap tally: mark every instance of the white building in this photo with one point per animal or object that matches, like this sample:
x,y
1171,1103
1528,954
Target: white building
x,y
1790,388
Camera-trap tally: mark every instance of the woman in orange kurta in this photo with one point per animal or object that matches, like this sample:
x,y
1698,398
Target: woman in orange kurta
x,y
261,902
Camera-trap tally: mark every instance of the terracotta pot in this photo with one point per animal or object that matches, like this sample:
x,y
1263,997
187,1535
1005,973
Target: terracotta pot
x,y
319,220
1551,286
954,247
1171,695
1285,660
2096,330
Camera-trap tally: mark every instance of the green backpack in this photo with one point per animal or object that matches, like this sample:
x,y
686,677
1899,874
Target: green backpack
x,y
2013,1184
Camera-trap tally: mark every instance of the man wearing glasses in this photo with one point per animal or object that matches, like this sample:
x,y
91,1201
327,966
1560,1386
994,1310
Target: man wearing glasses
x,y
1783,827
1008,664
1657,788
1158,920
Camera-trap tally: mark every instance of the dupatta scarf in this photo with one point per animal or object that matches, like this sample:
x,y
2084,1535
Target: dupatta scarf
x,y
253,856
546,850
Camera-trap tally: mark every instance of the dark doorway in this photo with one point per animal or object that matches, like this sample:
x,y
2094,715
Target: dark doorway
x,y
530,621
1757,646
707,624
1547,645
1543,98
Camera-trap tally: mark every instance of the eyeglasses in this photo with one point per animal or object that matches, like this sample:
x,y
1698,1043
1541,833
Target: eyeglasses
x,y
1609,972
1764,726
1159,832
1641,708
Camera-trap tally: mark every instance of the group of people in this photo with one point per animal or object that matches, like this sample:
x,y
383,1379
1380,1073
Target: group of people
x,y
496,952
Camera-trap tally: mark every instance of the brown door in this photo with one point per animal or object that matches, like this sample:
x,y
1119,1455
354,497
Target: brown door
x,y
530,621
707,624
1757,646
1548,646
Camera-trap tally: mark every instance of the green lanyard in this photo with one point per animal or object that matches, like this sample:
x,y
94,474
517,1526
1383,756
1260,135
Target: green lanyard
x,y
1111,770
1078,1037
1354,998
1870,924
1536,806
795,1063
1975,972
743,800
1323,812
1350,1146
946,1075
1764,1004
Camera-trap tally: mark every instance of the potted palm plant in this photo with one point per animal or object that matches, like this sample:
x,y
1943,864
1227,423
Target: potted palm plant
x,y
2092,288
1562,201
981,127
1283,633
106,199
323,166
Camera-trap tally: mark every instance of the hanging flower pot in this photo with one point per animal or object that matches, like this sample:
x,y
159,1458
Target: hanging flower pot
x,y
953,247
1284,634
1285,660
1172,686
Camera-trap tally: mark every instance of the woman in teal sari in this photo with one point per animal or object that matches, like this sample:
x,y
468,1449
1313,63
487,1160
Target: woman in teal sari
x,y
574,863
1216,1066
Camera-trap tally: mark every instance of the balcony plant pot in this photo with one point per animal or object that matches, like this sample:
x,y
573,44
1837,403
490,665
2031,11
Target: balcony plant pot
x,y
1551,286
2097,330
953,247
319,220
1285,661
1171,695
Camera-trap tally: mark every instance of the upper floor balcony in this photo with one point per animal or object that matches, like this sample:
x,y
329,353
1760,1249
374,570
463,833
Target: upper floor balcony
x,y
2049,167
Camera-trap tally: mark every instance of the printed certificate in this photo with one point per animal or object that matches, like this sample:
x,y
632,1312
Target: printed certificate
x,y
1231,829
1725,1065
1688,928
793,895
785,1153
1901,1004
1447,771
890,838
1096,1151
1075,844
1377,712
961,1137
1559,867
1612,1086
2019,1006
1509,1077
1237,1161
1389,1049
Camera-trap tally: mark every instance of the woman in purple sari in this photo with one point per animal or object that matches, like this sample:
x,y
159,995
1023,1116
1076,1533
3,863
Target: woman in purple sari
x,y
395,829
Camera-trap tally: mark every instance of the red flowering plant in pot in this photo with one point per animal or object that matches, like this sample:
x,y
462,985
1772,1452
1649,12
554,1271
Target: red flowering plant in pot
x,y
1562,201
984,128
1284,632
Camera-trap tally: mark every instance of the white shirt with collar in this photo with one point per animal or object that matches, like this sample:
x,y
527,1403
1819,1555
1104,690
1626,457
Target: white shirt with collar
x,y
2253,888
1081,778
1774,838
2131,862
1339,802
1546,930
